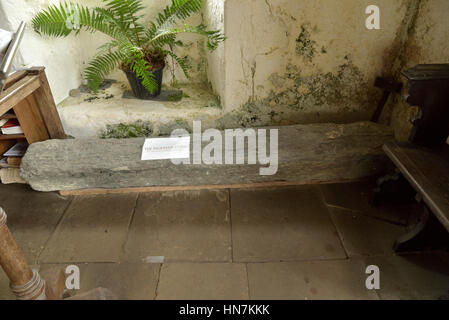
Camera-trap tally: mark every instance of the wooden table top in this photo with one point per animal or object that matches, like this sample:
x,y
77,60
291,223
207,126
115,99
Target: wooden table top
x,y
428,173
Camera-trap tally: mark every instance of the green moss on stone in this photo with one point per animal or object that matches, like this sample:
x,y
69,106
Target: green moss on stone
x,y
127,130
165,129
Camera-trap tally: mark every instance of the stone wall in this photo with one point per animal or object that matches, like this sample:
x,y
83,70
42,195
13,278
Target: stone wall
x,y
214,18
314,61
284,61
306,61
428,42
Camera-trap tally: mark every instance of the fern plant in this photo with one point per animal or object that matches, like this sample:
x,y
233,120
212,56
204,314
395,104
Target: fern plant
x,y
136,46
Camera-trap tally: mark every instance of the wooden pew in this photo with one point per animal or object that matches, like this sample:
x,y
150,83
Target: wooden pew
x,y
427,171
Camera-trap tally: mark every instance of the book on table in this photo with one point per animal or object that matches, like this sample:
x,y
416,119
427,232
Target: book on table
x,y
5,164
11,126
14,161
18,150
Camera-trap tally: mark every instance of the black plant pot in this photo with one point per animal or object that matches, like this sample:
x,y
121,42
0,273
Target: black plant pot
x,y
139,90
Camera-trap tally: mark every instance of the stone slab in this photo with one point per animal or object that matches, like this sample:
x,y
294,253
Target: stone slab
x,y
307,153
94,229
309,280
282,224
86,115
5,291
32,216
126,281
165,96
203,281
178,226
362,235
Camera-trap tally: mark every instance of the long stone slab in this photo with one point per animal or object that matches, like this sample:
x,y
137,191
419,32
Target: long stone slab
x,y
307,153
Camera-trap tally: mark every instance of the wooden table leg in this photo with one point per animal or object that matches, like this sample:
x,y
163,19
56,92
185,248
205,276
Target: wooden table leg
x,y
47,106
26,284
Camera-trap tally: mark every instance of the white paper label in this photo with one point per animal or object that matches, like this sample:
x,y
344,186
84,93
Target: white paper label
x,y
166,148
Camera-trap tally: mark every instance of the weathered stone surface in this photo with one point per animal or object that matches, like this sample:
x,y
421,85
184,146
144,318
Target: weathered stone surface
x,y
203,281
309,280
307,153
282,224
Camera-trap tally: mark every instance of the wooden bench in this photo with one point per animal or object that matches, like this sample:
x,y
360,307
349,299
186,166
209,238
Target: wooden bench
x,y
427,171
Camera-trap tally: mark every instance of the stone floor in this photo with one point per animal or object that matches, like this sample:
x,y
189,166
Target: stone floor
x,y
305,242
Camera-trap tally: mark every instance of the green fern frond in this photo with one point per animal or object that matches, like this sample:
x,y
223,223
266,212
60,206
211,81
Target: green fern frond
x,y
60,21
127,12
178,9
100,66
140,67
213,37
132,43
126,9
182,62
108,46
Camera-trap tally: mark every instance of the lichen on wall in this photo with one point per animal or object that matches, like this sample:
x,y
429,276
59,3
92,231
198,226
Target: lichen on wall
x,y
332,89
304,61
322,97
305,45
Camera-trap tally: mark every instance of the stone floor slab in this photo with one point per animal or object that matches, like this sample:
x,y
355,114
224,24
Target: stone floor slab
x,y
190,226
358,196
309,280
5,292
414,276
282,224
32,216
93,230
126,281
203,281
363,235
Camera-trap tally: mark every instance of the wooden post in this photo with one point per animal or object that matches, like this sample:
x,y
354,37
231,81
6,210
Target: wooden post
x,y
26,284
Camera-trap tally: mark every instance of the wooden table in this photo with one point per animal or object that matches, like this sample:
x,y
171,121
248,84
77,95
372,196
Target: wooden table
x,y
28,94
427,171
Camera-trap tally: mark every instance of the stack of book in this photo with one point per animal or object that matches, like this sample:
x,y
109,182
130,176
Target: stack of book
x,y
13,157
10,126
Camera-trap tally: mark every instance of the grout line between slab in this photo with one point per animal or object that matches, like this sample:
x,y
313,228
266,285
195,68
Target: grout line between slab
x,y
158,280
340,237
57,226
131,220
230,224
247,281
